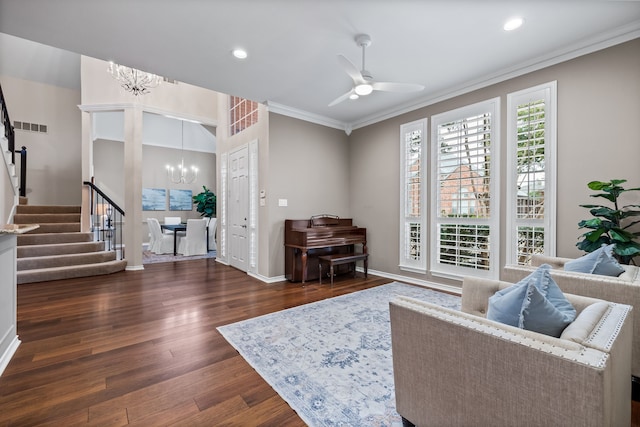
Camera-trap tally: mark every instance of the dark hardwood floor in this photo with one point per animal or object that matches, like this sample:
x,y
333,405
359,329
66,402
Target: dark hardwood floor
x,y
141,348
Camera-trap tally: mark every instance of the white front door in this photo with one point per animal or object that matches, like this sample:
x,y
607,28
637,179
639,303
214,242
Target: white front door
x,y
238,208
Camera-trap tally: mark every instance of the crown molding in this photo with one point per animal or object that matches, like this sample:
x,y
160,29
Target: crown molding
x,y
304,115
584,47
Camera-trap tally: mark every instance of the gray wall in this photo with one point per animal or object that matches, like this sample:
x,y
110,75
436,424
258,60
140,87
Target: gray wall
x,y
54,172
598,110
308,166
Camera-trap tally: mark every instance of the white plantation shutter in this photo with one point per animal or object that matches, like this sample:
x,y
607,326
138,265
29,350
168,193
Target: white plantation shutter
x,y
413,254
465,191
531,179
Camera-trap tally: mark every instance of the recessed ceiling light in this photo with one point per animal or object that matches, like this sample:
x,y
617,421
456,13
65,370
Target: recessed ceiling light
x,y
354,96
513,24
240,53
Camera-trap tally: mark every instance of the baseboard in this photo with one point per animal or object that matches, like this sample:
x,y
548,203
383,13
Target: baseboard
x,y
269,280
412,280
427,284
8,354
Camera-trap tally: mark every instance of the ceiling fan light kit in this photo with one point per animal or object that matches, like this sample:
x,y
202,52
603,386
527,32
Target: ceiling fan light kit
x,y
363,89
363,83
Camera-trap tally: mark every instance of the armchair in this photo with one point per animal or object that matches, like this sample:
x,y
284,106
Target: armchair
x,y
624,289
457,368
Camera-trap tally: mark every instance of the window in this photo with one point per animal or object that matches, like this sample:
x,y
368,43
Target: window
x,y
531,139
242,114
413,256
464,178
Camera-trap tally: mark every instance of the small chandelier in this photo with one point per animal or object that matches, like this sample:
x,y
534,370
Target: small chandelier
x,y
180,174
134,81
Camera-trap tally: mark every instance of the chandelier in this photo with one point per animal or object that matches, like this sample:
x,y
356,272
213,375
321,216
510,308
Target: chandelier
x,y
134,81
180,174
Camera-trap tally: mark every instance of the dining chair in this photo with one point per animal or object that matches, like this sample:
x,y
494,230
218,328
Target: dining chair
x,y
213,225
171,220
159,242
195,242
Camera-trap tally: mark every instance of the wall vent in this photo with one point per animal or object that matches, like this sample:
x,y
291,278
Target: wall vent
x,y
30,127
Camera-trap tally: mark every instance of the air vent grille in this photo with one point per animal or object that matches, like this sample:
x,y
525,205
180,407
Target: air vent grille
x,y
30,127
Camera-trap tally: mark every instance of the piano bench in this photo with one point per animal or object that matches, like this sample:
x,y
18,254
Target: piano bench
x,y
337,259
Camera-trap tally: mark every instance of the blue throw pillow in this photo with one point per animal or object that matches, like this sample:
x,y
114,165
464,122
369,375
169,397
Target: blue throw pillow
x,y
601,261
535,303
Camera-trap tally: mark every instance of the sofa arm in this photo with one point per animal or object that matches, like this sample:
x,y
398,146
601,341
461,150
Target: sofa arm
x,y
454,368
554,262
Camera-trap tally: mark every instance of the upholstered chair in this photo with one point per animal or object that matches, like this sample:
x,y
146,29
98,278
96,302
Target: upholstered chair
x,y
159,242
624,289
195,242
213,225
457,368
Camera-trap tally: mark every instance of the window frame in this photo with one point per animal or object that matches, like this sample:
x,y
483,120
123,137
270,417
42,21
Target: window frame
x,y
437,268
406,262
548,92
243,113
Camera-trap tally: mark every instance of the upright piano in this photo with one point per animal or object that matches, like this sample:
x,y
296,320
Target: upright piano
x,y
307,239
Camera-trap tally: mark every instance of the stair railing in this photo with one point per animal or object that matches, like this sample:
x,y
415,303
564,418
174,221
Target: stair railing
x,y
23,170
106,220
10,134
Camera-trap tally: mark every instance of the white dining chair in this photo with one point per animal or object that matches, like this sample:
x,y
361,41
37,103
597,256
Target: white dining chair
x,y
171,220
159,242
195,242
213,224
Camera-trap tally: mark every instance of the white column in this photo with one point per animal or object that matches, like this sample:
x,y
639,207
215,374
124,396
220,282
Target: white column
x,y
133,189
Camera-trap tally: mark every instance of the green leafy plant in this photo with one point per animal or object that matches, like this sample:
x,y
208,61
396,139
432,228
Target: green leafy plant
x,y
607,225
205,202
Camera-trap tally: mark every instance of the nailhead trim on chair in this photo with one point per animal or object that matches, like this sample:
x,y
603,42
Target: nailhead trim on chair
x,y
580,354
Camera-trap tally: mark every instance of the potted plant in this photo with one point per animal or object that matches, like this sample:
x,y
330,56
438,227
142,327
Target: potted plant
x,y
205,203
607,226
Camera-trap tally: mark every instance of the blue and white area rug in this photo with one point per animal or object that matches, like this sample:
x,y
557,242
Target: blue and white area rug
x,y
331,360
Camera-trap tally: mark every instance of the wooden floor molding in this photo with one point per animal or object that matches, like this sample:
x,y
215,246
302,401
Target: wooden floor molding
x,y
141,348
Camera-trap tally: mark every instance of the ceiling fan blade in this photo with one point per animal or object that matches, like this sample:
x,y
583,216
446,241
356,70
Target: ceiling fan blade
x,y
351,70
397,87
341,98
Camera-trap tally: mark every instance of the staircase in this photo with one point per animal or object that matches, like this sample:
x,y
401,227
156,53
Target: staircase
x,y
57,249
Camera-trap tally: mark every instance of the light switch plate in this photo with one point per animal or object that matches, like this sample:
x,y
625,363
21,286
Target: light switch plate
x,y
283,202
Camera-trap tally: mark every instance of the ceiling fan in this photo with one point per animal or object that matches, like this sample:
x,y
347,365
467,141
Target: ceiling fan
x,y
363,83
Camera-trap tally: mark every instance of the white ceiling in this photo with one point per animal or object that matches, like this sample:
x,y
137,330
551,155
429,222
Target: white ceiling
x,y
448,46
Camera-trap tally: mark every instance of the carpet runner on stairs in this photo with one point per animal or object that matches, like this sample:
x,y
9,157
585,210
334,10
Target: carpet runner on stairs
x,y
58,249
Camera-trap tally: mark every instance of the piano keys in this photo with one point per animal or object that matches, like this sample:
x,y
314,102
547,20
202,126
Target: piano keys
x,y
307,239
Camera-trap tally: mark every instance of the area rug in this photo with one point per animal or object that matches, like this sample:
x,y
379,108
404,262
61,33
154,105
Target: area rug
x,y
151,258
331,360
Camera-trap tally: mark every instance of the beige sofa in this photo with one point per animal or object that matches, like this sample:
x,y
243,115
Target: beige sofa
x,y
456,368
624,289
